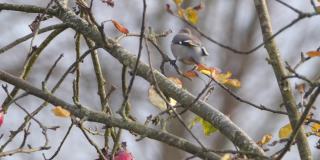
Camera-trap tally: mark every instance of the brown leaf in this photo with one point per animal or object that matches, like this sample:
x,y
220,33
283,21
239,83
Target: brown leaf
x,y
313,53
120,27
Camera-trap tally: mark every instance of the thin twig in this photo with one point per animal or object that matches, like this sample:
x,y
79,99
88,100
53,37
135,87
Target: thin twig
x,y
126,96
80,125
26,37
61,143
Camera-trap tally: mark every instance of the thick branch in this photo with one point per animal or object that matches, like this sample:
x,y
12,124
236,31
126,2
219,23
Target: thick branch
x,y
280,73
99,117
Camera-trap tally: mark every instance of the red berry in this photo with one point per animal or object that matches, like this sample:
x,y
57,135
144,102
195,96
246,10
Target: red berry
x,y
1,118
123,155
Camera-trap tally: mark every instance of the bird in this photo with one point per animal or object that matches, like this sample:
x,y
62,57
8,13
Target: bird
x,y
187,48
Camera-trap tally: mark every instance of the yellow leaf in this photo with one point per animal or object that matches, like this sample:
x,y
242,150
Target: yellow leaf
x,y
178,2
226,156
192,15
60,112
313,53
222,77
210,71
233,83
285,131
316,128
206,126
265,139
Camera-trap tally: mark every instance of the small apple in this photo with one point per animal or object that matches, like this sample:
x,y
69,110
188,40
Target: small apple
x,y
1,118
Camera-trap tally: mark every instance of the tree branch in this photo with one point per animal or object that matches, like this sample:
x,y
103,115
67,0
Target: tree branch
x,y
82,112
202,109
280,73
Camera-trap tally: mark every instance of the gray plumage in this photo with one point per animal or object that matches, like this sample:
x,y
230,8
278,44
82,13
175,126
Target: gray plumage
x,y
187,48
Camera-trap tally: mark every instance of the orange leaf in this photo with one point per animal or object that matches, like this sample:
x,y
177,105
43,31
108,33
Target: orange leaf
x,y
191,74
120,27
60,112
313,53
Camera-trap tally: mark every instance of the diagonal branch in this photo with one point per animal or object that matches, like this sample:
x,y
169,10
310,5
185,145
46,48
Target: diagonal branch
x,y
99,117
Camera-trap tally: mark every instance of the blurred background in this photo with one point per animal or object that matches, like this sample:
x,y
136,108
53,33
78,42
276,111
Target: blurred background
x,y
233,23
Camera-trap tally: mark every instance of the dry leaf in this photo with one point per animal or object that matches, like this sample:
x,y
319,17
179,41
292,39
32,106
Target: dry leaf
x,y
156,99
60,112
265,139
120,27
313,53
191,74
285,131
